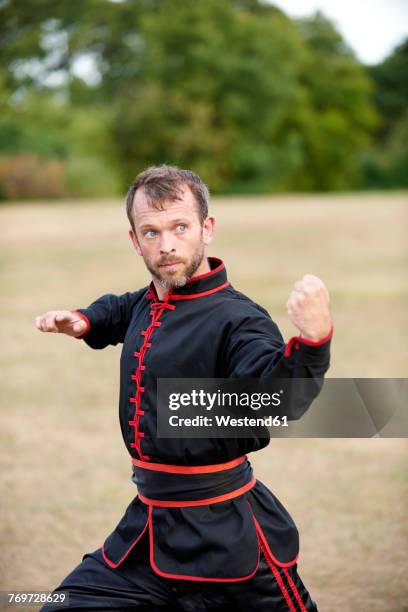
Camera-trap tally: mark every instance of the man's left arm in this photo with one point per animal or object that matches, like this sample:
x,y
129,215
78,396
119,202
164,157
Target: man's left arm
x,y
256,348
309,310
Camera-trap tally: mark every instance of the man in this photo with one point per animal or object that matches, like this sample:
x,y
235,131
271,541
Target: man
x,y
202,533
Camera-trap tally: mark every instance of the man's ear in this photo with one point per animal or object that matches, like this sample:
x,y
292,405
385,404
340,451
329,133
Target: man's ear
x,y
135,242
208,229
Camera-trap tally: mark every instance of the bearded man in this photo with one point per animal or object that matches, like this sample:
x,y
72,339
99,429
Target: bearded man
x,y
202,533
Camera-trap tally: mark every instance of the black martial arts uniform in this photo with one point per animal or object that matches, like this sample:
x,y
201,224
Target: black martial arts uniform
x,y
202,533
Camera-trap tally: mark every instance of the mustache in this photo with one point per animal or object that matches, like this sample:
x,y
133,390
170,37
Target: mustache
x,y
169,260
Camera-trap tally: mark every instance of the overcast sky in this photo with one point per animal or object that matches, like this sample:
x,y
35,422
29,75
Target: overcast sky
x,y
372,28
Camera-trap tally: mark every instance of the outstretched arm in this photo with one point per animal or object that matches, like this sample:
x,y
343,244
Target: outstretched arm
x,y
104,322
69,322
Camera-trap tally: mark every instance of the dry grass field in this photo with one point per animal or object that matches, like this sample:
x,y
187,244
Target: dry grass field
x,y
65,471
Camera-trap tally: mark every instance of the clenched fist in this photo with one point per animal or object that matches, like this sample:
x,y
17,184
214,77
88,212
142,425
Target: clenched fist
x,y
61,322
308,308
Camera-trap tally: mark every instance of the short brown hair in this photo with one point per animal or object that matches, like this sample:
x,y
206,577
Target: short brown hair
x,y
164,182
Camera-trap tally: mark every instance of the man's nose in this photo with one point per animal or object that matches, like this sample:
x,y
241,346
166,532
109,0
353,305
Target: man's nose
x,y
166,243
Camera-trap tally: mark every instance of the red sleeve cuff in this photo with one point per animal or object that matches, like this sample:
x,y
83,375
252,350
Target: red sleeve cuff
x,y
296,339
85,318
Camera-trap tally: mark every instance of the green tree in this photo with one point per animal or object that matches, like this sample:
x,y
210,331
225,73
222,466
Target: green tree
x,y
386,163
250,99
339,116
391,88
212,93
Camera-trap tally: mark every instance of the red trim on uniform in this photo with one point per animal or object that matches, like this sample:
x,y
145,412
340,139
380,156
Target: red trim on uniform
x,y
182,576
294,590
190,296
152,293
157,309
220,267
278,579
188,469
271,560
115,565
88,323
295,339
266,545
156,312
198,502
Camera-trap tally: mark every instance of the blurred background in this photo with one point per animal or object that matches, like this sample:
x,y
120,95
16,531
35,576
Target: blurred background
x,y
253,100
295,114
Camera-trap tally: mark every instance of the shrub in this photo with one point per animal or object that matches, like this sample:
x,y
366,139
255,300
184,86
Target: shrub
x,y
28,176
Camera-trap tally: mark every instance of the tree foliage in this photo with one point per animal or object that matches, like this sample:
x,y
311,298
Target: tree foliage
x,y
386,165
234,89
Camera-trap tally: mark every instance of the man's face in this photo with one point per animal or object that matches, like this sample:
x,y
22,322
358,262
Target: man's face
x,y
171,241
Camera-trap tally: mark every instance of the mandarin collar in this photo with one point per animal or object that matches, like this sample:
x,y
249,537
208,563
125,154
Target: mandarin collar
x,y
198,286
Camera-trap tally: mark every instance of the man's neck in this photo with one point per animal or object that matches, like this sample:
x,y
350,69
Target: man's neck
x,y
203,268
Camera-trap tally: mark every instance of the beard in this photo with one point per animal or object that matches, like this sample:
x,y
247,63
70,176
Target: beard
x,y
171,279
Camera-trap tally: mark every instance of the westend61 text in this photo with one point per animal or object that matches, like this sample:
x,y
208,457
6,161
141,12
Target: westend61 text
x,y
228,421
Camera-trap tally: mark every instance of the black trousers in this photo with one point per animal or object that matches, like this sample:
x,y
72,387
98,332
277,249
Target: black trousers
x,y
92,585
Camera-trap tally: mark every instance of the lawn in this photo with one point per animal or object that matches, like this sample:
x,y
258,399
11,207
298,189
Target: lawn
x,y
65,476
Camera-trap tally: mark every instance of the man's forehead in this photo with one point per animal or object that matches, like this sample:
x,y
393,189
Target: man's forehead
x,y
143,209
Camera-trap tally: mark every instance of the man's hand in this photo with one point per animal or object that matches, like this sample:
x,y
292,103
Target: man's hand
x,y
308,308
61,322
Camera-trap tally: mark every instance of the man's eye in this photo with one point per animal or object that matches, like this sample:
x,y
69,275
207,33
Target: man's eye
x,y
150,233
181,227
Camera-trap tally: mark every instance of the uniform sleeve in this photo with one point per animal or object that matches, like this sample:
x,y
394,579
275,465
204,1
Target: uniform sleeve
x,y
107,319
256,349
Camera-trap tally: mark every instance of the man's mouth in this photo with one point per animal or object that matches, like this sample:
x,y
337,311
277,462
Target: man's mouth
x,y
169,265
